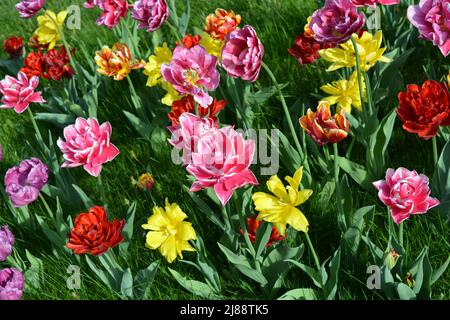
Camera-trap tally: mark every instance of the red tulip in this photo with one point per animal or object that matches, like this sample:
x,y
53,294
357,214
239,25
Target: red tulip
x,y
423,109
252,229
93,233
186,104
13,46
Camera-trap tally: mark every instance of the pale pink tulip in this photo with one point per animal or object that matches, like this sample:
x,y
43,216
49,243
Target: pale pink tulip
x,y
19,93
221,160
406,193
87,144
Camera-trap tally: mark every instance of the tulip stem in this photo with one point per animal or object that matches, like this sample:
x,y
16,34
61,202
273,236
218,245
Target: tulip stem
x,y
311,247
36,128
47,207
359,74
175,32
285,107
435,150
400,234
338,188
102,191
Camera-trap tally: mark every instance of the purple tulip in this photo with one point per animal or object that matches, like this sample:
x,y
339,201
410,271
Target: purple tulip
x,y
29,8
336,21
24,182
432,18
151,14
11,284
6,242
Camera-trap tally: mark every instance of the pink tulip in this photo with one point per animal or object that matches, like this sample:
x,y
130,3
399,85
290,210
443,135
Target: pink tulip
x,y
221,159
242,54
19,93
87,144
113,11
373,3
193,71
151,14
186,135
405,192
432,18
28,8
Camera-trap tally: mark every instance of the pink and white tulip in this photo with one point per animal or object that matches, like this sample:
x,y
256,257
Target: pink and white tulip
x,y
87,144
405,192
19,93
242,54
193,71
373,3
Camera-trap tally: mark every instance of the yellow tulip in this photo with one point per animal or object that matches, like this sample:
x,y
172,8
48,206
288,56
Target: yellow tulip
x,y
212,46
169,233
344,93
281,207
152,68
369,52
47,31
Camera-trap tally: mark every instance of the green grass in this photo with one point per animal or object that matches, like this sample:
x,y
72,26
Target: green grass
x,y
277,22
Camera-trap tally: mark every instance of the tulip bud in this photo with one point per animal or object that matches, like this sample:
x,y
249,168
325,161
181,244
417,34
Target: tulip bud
x,y
145,182
409,280
391,258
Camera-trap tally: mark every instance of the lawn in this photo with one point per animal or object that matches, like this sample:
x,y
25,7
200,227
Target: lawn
x,y
277,22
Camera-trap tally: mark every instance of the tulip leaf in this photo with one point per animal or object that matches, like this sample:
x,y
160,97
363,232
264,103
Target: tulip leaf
x,y
276,265
143,128
300,294
352,236
127,230
330,287
405,292
144,279
243,265
87,202
378,143
126,285
346,200
356,171
311,272
196,287
441,181
57,119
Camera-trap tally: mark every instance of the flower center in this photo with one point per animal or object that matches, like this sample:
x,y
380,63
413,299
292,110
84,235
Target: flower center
x,y
191,76
170,231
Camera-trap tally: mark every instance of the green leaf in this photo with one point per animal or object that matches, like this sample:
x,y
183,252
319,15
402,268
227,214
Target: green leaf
x,y
34,273
276,265
126,285
143,128
196,287
352,236
330,288
127,230
87,202
378,143
262,237
356,171
311,272
441,181
300,294
405,292
144,279
57,119
346,203
439,272
243,265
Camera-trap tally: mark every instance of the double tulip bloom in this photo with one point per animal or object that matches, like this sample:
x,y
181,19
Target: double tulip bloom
x,y
336,21
87,143
6,242
93,233
28,8
113,11
51,65
19,93
151,14
324,128
25,181
192,71
423,109
405,192
242,54
11,284
432,19
13,46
